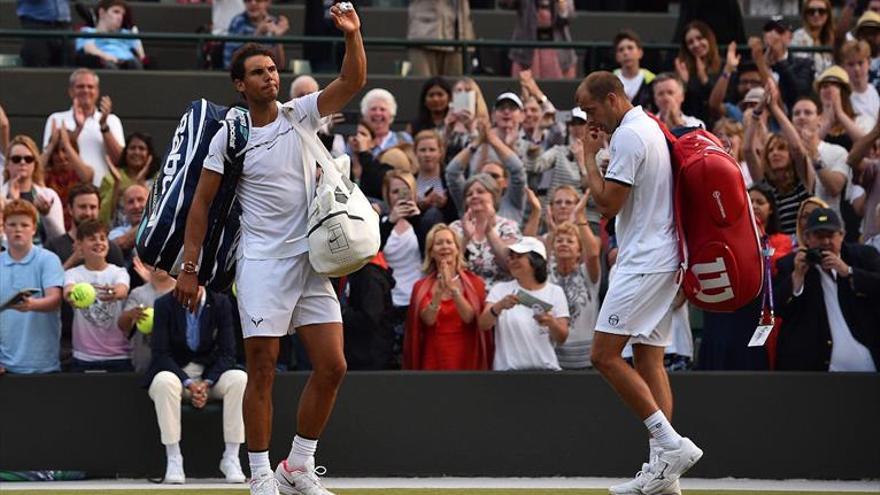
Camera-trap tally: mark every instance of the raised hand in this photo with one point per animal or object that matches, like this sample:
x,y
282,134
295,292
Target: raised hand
x,y
346,21
592,141
106,108
682,70
533,200
141,269
111,167
579,213
469,224
281,26
732,61
42,204
142,173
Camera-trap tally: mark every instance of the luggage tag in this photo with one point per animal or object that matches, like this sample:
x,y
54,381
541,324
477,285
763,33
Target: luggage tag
x,y
759,338
760,335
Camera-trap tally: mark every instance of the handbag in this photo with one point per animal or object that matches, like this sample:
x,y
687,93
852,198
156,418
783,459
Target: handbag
x,y
343,228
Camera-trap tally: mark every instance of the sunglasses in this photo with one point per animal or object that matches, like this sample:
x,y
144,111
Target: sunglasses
x,y
21,158
816,11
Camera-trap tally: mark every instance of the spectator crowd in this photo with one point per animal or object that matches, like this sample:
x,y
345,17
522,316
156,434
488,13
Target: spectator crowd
x,y
493,254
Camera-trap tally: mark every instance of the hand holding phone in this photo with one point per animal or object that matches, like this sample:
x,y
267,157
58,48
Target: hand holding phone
x,y
19,298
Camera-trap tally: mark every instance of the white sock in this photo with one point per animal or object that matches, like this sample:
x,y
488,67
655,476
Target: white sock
x,y
653,449
662,431
300,452
259,462
173,450
231,450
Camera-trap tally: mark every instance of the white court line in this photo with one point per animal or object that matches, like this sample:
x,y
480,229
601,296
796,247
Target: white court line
x,y
502,483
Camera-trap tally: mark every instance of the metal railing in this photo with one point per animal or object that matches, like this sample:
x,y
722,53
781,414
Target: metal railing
x,y
464,46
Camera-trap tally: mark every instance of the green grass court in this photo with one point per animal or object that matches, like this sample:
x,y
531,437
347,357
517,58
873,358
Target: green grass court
x,y
427,491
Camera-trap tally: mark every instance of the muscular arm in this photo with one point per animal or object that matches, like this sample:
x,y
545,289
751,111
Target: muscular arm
x,y
351,79
197,219
609,196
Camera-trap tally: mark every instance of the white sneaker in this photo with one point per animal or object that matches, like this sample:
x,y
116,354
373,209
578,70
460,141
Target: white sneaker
x,y
635,485
264,484
670,465
301,481
174,471
231,468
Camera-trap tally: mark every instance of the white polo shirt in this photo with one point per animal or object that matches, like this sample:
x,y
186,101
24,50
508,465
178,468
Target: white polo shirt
x,y
833,158
272,189
645,225
90,141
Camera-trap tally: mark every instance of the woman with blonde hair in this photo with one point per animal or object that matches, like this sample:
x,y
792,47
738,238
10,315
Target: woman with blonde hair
x,y
574,266
818,30
441,330
403,232
23,179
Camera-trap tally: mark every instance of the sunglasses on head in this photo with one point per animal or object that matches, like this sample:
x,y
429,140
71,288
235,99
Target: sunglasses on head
x,y
21,158
816,11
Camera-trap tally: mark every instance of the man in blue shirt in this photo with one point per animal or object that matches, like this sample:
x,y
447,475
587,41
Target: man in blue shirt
x,y
256,21
193,359
30,330
44,15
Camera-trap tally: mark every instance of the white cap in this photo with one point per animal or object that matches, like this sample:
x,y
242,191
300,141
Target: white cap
x,y
509,96
577,113
529,245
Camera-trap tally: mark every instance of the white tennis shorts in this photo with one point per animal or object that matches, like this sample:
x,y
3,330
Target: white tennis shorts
x,y
276,296
638,305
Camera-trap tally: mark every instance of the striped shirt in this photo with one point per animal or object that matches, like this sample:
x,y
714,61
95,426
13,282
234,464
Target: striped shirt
x,y
787,205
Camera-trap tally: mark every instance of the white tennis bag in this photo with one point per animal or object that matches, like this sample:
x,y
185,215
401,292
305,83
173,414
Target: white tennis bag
x,y
343,228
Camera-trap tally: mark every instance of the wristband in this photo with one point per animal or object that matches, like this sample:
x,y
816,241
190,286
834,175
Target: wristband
x,y
105,129
492,310
473,148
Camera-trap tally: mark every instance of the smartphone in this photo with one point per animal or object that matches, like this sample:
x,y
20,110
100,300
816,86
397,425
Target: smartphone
x,y
404,194
464,100
428,192
19,297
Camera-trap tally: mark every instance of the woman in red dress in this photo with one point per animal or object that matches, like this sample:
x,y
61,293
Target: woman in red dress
x,y
441,326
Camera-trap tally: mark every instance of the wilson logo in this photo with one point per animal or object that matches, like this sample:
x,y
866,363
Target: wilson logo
x,y
714,282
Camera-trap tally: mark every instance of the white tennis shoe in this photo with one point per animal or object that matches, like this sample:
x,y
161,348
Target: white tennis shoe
x,y
301,481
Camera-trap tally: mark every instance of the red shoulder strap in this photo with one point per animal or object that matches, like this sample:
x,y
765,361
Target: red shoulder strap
x,y
670,137
670,141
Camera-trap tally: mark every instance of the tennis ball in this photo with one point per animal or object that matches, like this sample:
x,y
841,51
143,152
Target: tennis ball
x,y
82,295
145,324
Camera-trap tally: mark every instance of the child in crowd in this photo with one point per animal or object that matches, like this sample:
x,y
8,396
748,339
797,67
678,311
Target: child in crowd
x,y
98,343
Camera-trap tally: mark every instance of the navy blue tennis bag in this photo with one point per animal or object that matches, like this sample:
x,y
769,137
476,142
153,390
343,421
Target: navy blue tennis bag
x,y
160,237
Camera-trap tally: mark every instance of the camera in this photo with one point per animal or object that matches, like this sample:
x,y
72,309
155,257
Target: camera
x,y
814,256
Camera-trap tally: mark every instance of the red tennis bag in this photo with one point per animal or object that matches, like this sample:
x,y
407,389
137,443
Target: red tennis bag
x,y
718,237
